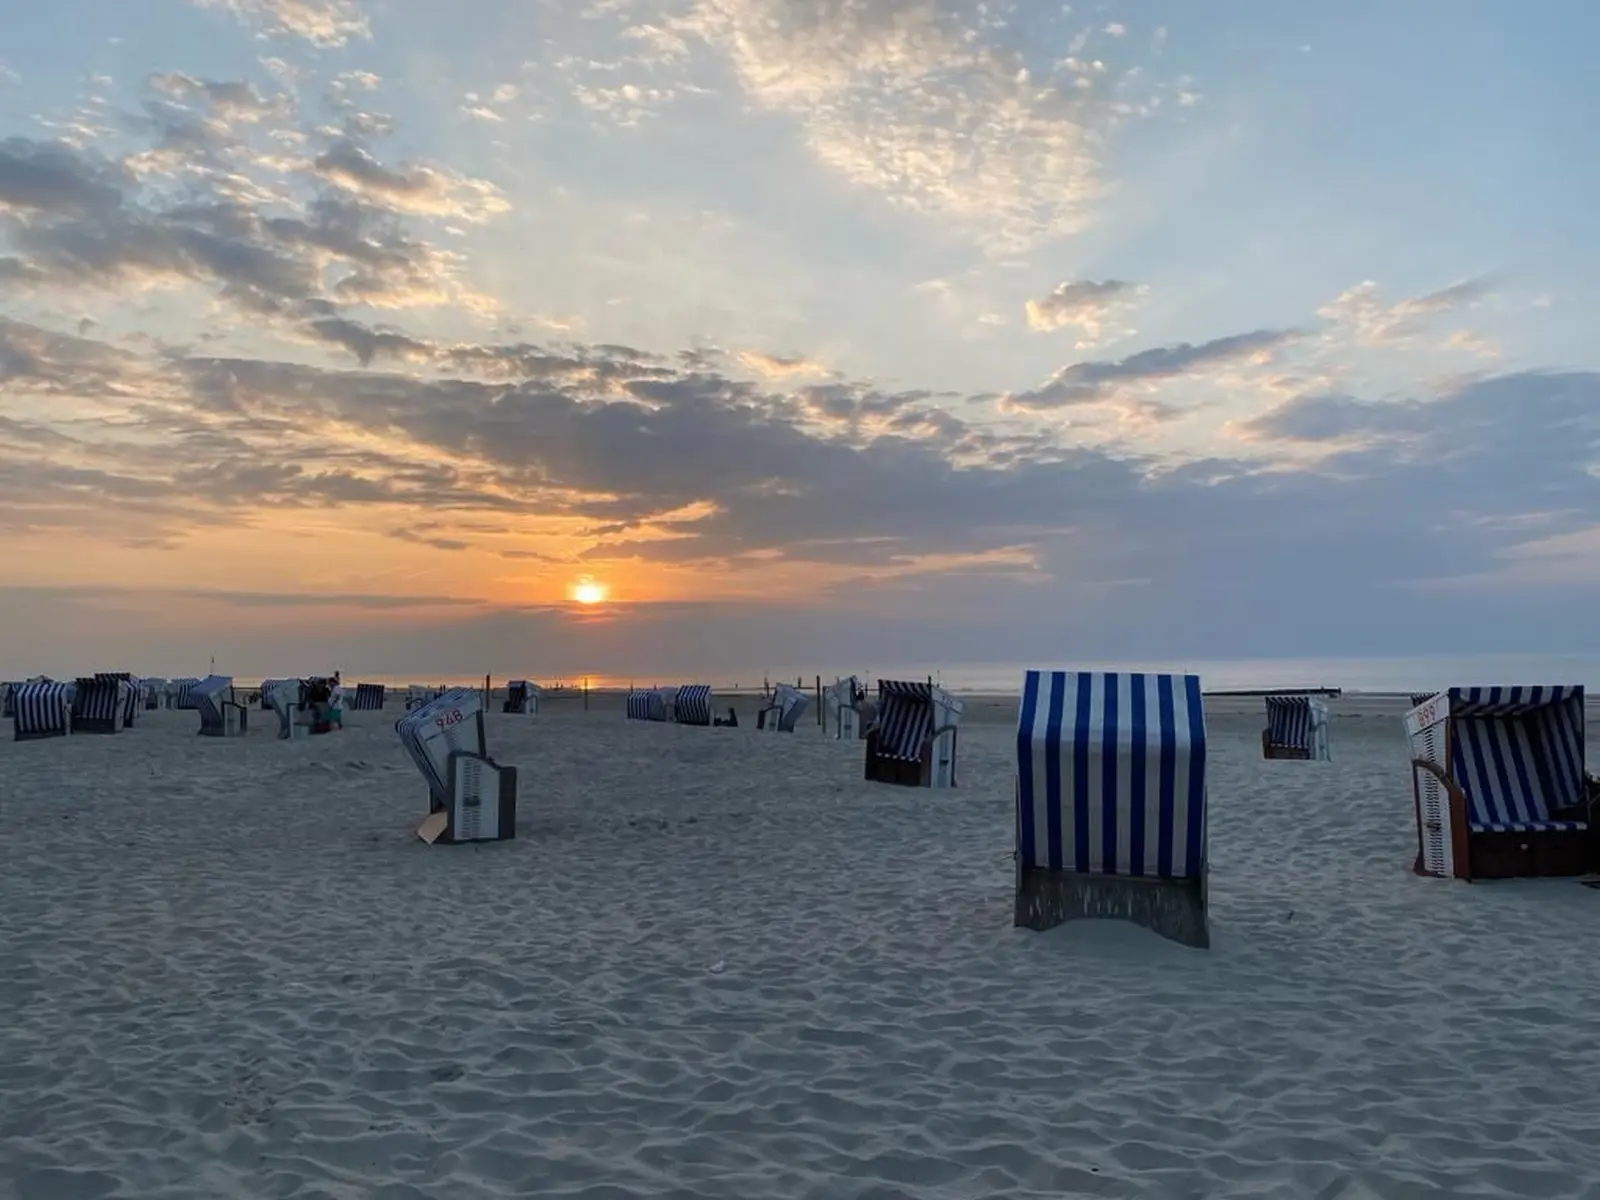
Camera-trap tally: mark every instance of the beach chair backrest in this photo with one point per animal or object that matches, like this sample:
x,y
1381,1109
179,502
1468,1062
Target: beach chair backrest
x,y
1111,774
905,719
446,724
791,703
1517,753
1289,721
207,696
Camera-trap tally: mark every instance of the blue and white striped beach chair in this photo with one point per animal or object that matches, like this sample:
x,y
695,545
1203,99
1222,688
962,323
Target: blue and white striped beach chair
x,y
649,704
783,711
368,697
1111,802
471,798
41,709
270,685
691,705
1297,728
180,691
1499,784
912,740
99,704
212,698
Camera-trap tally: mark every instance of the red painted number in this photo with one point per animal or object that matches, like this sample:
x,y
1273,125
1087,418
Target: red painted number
x,y
453,717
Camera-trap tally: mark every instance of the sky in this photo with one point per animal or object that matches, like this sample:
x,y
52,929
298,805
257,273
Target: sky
x,y
374,333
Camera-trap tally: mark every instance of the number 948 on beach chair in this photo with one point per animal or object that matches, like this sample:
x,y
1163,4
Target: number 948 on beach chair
x,y
471,798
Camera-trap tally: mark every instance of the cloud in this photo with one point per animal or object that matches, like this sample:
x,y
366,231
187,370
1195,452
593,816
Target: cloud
x,y
1361,311
414,189
1096,382
773,366
1083,304
55,178
926,106
324,23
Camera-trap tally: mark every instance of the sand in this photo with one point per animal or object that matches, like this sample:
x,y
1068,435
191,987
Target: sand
x,y
716,963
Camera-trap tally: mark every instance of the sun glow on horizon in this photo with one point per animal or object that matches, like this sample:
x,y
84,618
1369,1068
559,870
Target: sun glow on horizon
x,y
588,591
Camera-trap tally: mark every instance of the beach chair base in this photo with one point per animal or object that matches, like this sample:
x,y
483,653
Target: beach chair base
x,y
936,768
96,725
1269,749
235,722
1173,908
1544,854
38,736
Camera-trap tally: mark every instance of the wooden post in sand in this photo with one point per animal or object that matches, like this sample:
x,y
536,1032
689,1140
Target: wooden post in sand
x,y
820,721
585,693
487,693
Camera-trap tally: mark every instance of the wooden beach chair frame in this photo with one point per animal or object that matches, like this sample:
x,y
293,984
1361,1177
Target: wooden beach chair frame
x,y
1561,842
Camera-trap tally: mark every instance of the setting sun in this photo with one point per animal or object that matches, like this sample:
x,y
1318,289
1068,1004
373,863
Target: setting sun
x,y
587,591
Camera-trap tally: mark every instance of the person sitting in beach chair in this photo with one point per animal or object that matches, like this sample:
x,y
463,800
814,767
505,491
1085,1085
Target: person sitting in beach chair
x,y
471,798
783,711
1499,784
1111,802
912,739
1297,728
730,721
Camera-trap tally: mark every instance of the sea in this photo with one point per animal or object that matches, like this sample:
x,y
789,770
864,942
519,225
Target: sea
x,y
1383,676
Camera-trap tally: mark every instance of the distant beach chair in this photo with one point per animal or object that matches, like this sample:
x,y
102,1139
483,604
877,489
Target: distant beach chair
x,y
692,704
5,700
471,798
40,709
268,686
286,697
180,692
912,740
841,709
783,712
650,704
1499,784
522,698
1111,802
417,696
151,692
368,697
219,716
1297,728
100,704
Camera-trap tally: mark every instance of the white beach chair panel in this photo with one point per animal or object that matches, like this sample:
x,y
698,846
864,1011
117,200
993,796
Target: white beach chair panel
x,y
1111,774
1425,729
210,697
839,709
784,710
450,722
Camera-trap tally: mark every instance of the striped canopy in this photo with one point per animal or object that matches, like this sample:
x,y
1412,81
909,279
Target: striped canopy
x,y
1517,754
1111,774
693,704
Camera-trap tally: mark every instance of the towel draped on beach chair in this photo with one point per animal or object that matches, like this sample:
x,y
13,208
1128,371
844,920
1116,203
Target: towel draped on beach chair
x,y
912,740
1111,801
1499,783
783,711
1297,728
470,796
41,709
